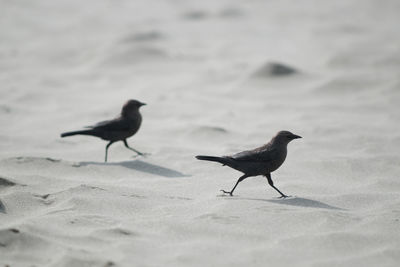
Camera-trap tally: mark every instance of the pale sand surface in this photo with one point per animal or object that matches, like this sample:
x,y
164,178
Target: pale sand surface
x,y
204,69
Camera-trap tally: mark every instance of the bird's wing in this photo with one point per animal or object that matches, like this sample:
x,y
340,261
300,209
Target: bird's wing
x,y
112,125
98,124
259,154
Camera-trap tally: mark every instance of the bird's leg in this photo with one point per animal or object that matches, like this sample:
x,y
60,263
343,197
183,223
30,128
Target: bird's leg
x,y
128,147
233,189
271,183
107,146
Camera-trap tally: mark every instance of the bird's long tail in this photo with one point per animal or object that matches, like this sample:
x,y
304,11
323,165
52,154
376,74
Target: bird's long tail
x,y
211,158
82,132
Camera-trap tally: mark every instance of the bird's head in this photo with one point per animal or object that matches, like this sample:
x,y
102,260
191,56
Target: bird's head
x,y
131,106
284,137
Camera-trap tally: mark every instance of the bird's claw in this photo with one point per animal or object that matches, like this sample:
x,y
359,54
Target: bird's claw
x,y
283,196
226,192
141,155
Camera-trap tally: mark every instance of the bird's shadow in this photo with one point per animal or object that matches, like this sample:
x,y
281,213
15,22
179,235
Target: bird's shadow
x,y
298,202
141,166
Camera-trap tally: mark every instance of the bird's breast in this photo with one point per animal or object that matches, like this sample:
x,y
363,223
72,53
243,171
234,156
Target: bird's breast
x,y
278,160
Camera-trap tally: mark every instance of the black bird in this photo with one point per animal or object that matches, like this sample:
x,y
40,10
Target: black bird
x,y
118,129
259,161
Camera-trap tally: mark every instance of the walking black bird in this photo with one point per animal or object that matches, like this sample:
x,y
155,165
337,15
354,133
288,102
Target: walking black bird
x,y
259,161
118,129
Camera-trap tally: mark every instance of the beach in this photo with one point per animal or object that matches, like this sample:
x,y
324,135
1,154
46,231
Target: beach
x,y
218,77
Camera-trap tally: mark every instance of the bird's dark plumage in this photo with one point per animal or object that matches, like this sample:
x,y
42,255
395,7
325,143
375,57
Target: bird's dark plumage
x,y
118,129
259,161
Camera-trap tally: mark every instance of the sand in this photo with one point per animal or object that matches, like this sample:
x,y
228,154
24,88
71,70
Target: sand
x,y
219,77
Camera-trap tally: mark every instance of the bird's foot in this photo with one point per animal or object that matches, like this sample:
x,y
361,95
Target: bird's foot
x,y
141,155
144,154
284,196
226,192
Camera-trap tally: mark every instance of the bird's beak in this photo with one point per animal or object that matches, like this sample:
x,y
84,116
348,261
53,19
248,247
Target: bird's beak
x,y
143,104
296,136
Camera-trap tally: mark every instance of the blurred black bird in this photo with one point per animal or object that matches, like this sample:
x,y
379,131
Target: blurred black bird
x,y
259,161
118,129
